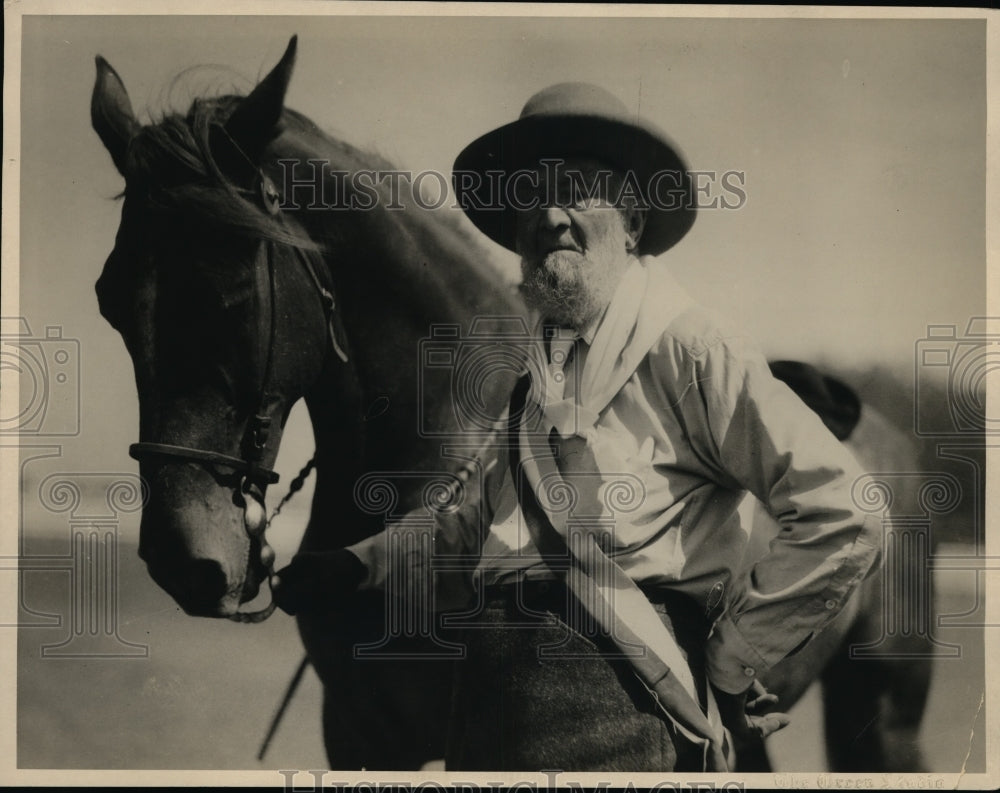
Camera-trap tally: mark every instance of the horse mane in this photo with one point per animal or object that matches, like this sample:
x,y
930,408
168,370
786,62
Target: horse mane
x,y
410,238
170,167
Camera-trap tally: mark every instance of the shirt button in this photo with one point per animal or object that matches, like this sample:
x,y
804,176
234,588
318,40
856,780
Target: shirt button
x,y
749,671
831,604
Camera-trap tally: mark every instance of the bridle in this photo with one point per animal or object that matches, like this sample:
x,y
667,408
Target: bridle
x,y
253,475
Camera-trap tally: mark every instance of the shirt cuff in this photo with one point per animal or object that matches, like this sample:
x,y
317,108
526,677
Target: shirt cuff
x,y
372,553
732,663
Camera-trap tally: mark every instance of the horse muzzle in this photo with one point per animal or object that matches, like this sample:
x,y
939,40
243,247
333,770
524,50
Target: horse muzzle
x,y
199,586
194,541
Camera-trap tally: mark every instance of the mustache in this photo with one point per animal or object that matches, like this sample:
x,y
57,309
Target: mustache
x,y
561,246
548,243
554,259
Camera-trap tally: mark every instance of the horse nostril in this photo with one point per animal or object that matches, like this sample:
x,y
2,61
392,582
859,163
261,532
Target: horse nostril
x,y
206,583
198,585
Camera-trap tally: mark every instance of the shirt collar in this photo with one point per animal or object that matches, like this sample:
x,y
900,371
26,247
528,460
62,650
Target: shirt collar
x,y
590,330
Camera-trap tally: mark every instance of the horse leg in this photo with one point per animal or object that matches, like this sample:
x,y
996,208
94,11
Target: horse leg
x,y
751,757
388,721
377,713
852,713
873,705
872,709
909,684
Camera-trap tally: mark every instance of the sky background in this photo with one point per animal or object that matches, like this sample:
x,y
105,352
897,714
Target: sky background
x,y
862,142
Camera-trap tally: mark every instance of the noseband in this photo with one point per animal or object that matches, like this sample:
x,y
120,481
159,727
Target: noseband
x,y
255,477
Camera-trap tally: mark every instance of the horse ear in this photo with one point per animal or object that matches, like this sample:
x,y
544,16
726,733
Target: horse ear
x,y
111,113
254,122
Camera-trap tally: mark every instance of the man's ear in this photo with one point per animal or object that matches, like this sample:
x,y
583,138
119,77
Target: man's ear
x,y
634,219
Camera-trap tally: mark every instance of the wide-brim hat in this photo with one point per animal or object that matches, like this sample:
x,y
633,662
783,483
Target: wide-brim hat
x,y
577,119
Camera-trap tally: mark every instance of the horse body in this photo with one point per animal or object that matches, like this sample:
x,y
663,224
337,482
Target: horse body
x,y
400,274
232,309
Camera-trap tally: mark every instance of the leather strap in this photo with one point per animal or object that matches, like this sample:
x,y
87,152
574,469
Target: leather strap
x,y
139,450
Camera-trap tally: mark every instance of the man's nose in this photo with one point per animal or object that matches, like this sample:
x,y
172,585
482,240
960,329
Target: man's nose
x,y
554,217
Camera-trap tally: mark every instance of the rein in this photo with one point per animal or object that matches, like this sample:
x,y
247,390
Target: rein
x,y
254,476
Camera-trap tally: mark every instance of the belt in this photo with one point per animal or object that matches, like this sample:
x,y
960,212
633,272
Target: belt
x,y
541,593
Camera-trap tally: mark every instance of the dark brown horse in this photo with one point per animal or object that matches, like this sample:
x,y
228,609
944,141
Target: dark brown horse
x,y
236,299
232,309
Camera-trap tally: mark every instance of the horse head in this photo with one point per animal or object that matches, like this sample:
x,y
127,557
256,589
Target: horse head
x,y
227,318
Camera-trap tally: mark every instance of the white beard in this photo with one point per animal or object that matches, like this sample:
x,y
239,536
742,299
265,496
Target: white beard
x,y
568,288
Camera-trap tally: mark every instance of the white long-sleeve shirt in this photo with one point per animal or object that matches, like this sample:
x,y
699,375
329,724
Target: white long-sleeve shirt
x,y
699,421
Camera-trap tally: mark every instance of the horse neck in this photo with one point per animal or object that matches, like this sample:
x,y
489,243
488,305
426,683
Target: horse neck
x,y
366,413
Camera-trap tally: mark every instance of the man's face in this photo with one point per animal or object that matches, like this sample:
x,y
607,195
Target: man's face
x,y
574,244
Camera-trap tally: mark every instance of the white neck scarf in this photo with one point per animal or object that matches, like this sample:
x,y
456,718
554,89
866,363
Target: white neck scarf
x,y
646,300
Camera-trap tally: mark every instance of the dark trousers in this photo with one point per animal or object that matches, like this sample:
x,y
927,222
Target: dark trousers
x,y
535,694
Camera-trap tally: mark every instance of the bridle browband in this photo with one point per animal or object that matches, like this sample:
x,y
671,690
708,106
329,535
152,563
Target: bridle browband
x,y
254,477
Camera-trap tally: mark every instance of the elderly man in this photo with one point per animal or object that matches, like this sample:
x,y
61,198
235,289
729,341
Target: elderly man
x,y
607,537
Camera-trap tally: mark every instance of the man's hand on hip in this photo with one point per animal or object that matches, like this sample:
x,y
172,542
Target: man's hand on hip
x,y
750,715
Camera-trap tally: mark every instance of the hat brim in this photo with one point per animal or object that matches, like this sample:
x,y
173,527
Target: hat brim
x,y
638,148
